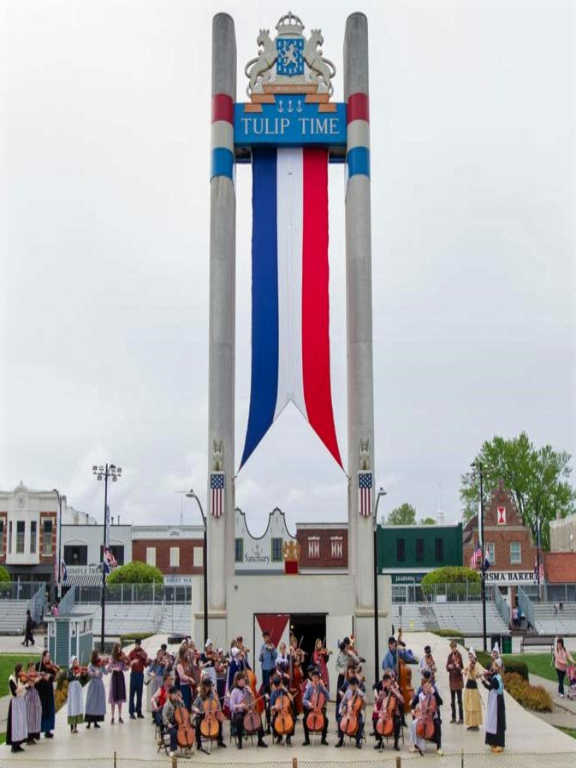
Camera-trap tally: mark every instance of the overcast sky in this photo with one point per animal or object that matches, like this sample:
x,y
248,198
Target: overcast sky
x,y
104,224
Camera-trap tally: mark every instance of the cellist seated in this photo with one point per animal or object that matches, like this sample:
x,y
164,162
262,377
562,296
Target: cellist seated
x,y
351,709
174,698
240,700
388,706
426,717
280,699
207,698
311,703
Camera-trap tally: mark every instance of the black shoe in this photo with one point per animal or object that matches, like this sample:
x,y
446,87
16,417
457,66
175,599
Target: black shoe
x,y
340,743
17,749
132,717
288,741
324,742
262,744
88,726
95,725
239,745
49,735
268,731
306,743
221,744
379,745
396,748
140,716
358,745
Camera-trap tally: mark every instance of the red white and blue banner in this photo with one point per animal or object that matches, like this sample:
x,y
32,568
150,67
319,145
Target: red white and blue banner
x,y
290,304
365,493
217,493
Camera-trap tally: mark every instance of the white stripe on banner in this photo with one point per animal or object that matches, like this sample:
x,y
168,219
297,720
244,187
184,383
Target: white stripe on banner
x,y
290,191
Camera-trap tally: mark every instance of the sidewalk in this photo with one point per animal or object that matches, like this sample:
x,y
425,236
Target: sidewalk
x,y
565,705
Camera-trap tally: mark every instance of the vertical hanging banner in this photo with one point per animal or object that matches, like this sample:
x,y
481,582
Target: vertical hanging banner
x,y
290,129
217,493
365,493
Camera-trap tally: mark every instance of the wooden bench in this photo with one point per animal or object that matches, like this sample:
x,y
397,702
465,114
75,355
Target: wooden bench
x,y
537,641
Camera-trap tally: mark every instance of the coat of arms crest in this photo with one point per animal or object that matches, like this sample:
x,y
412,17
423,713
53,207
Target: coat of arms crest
x,y
290,63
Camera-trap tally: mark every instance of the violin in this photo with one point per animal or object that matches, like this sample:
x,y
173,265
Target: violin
x,y
316,717
284,722
185,734
425,722
349,720
252,720
210,723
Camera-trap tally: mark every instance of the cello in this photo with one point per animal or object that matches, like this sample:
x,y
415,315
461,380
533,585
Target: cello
x,y
316,717
349,720
185,734
284,722
425,723
385,721
210,723
252,719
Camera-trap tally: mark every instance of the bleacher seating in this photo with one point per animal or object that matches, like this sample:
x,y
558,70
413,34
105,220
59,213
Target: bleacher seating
x,y
129,618
550,620
13,616
462,617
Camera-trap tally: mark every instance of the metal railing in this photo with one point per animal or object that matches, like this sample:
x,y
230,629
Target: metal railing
x,y
135,593
438,593
67,603
527,607
37,602
19,590
501,604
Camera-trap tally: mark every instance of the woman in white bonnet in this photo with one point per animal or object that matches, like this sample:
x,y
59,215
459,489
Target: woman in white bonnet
x,y
496,709
472,701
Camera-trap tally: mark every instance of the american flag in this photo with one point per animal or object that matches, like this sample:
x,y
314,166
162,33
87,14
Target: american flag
x,y
217,493
108,561
538,572
476,559
365,493
61,575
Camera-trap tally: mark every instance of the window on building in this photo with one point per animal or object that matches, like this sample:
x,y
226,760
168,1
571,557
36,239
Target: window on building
x,y
75,554
117,551
20,533
420,550
439,550
336,547
151,555
33,536
47,538
174,557
313,547
1,537
515,553
491,552
10,537
238,550
400,550
277,550
198,557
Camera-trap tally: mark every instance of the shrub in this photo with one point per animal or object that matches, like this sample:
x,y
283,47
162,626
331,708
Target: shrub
x,y
518,668
450,574
136,573
131,636
4,575
452,633
533,697
485,659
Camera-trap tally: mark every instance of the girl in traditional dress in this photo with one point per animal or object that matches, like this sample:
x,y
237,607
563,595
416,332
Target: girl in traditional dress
x,y
117,694
185,682
17,726
33,705
472,700
320,657
45,687
75,695
95,711
496,710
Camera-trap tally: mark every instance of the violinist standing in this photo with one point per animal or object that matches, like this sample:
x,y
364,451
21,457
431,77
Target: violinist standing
x,y
472,701
46,693
427,663
184,681
239,704
17,725
33,705
455,668
310,702
320,658
138,661
206,693
117,693
267,657
389,698
353,691
75,703
426,691
95,711
496,708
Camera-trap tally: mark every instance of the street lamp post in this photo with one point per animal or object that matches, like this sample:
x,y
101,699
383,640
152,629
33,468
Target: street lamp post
x,y
381,493
59,567
478,465
103,473
192,495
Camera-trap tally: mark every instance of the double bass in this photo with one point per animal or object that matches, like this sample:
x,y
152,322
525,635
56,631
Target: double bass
x,y
316,717
405,683
185,734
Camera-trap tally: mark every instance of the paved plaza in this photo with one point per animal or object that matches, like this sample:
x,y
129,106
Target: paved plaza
x,y
134,740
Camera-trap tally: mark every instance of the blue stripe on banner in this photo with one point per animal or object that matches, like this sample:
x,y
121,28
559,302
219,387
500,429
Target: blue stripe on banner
x,y
358,160
264,391
222,162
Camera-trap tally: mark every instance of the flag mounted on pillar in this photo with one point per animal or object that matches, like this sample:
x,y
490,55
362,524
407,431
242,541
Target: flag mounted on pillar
x,y
217,493
365,493
290,304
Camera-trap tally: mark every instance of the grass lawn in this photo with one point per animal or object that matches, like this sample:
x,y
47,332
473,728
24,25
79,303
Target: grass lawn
x,y
7,663
538,663
569,731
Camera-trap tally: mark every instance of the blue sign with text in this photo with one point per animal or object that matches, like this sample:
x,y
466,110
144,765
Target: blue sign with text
x,y
290,122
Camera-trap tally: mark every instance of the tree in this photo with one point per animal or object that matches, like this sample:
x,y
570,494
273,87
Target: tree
x,y
4,575
405,514
428,521
537,478
136,573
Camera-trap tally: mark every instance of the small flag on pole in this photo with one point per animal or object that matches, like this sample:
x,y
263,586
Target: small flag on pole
x,y
217,493
365,493
476,559
108,561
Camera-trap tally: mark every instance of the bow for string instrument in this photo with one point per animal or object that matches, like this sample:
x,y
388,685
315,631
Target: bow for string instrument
x,y
252,719
316,718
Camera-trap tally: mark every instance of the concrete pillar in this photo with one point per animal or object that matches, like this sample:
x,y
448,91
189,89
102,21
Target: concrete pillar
x,y
222,307
359,299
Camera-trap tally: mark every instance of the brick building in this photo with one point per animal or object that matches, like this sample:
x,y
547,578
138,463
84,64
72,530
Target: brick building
x,y
323,547
509,546
177,550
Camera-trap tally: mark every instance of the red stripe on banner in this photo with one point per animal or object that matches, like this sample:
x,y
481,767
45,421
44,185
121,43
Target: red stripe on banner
x,y
275,623
358,107
222,108
315,302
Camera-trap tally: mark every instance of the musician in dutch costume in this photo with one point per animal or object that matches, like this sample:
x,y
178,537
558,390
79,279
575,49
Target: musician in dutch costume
x,y
95,710
17,725
33,705
207,697
472,700
455,667
496,708
315,693
241,699
45,686
388,703
75,703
